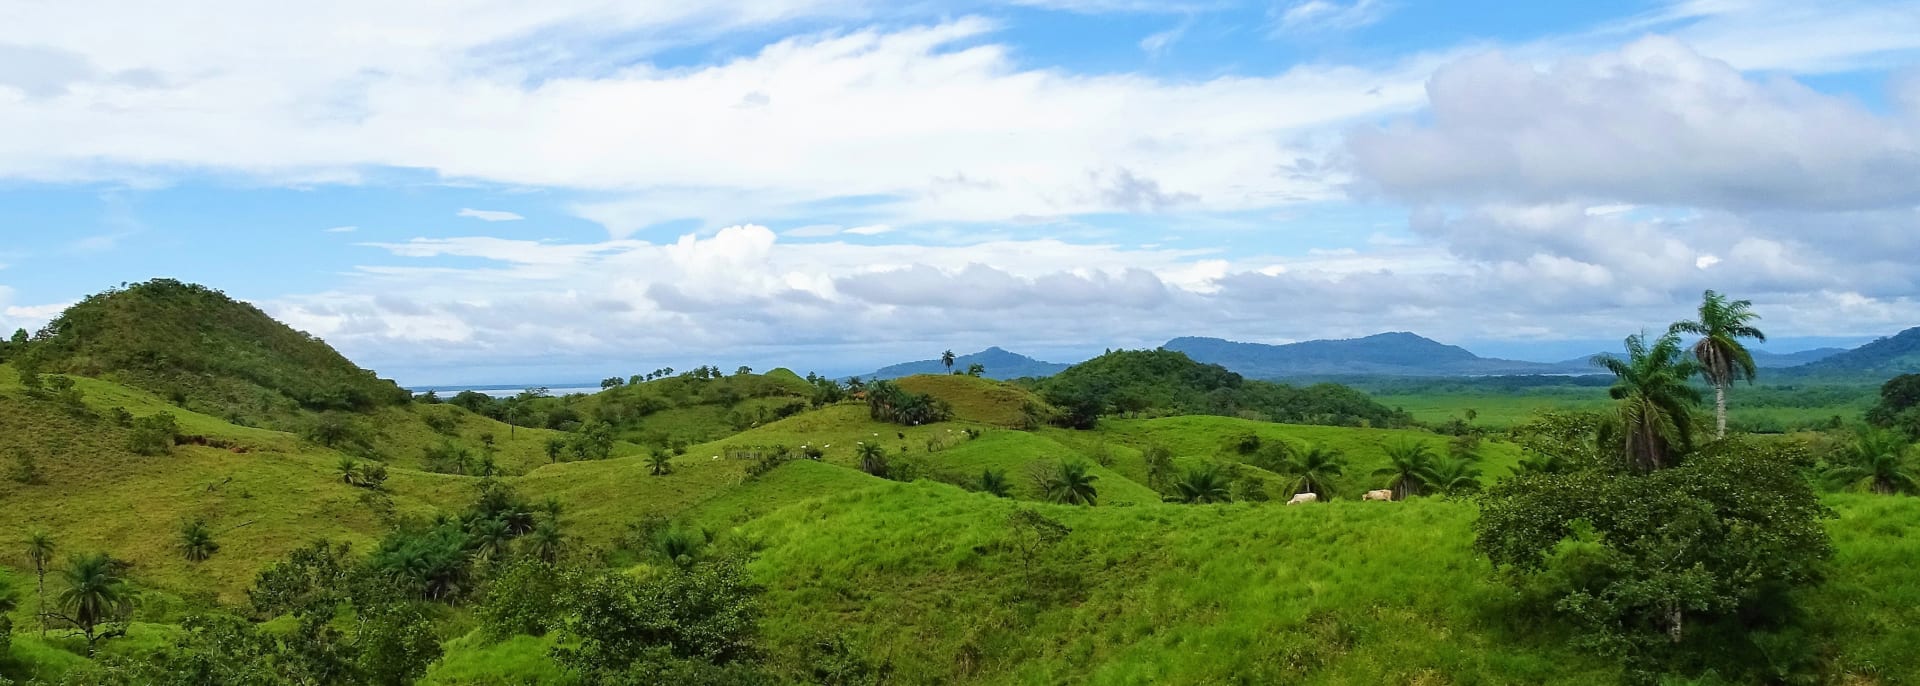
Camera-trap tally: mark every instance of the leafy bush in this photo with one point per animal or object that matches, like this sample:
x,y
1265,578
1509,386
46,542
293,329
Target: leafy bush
x,y
153,435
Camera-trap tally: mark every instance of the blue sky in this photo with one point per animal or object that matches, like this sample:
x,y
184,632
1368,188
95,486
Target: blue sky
x,y
507,192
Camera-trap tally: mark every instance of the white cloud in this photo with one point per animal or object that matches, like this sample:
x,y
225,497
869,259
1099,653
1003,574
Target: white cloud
x,y
1705,261
1654,123
1159,43
342,229
870,230
490,215
1328,15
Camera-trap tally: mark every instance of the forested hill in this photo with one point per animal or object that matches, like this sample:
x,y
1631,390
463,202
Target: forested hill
x,y
1386,354
196,346
998,364
1888,357
1168,382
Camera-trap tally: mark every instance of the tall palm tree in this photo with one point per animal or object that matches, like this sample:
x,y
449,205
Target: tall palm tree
x,y
1202,485
1071,483
946,358
39,554
1313,469
1407,465
1453,476
1655,419
96,595
1722,359
1879,459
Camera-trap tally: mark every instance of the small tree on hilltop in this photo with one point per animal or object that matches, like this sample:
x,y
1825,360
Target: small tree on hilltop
x,y
976,370
946,358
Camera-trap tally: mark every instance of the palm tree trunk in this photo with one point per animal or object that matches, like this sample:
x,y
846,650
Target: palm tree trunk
x,y
1720,409
1674,621
41,570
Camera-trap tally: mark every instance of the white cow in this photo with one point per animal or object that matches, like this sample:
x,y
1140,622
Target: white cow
x,y
1304,498
1382,494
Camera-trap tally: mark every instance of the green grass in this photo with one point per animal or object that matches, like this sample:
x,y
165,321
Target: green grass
x,y
1768,408
975,399
469,661
921,577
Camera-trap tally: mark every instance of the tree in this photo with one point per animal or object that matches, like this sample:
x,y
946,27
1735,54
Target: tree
x,y
1720,356
873,458
1653,422
976,370
546,542
1033,533
946,358
994,482
1453,476
625,626
554,447
612,382
1632,558
39,551
348,469
1312,469
1202,485
196,540
96,598
1408,463
153,434
1899,405
742,371
1070,483
660,462
1877,459
373,475
1159,466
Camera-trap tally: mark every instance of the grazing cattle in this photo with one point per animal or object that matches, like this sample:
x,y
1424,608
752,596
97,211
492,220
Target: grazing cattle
x,y
1382,494
1304,498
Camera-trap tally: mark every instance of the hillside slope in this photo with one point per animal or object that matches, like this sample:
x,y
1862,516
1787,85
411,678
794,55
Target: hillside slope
x,y
1877,361
205,351
1388,354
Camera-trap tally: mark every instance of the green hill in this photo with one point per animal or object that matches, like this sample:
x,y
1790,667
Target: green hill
x,y
1167,382
203,350
1877,361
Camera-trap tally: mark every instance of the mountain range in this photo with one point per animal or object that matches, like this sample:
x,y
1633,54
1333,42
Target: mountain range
x,y
1405,354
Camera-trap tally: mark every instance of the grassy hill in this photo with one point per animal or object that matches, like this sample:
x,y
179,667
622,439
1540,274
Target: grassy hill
x,y
976,399
205,351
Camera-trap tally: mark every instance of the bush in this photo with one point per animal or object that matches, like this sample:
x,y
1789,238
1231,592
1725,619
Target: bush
x,y
153,435
522,598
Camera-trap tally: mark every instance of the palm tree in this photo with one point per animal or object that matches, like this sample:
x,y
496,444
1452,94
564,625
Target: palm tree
x,y
1312,468
1202,485
946,358
1454,476
660,462
1722,359
489,539
1654,419
39,553
873,459
1408,463
96,595
196,540
1878,459
994,482
547,542
1542,463
347,469
554,447
1071,483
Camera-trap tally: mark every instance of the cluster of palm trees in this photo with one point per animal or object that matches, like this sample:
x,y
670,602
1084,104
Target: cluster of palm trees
x,y
96,600
1413,469
1653,423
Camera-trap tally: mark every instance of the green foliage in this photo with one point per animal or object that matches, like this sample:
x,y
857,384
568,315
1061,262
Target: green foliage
x,y
310,580
888,402
1653,418
1160,382
1878,460
1721,357
1899,405
97,600
1633,559
704,613
25,470
994,482
1309,468
193,342
1409,465
523,599
1069,483
1201,485
196,540
153,435
660,462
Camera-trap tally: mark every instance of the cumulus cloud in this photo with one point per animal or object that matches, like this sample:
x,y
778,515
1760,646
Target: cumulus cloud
x,y
1654,123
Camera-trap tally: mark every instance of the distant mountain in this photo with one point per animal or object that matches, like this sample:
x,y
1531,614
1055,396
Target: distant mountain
x,y
1000,364
1386,354
1877,361
1761,358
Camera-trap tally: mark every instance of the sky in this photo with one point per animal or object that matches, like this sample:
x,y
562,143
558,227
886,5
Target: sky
x,y
498,191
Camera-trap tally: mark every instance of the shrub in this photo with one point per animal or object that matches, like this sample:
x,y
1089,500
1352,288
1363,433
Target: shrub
x,y
153,435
